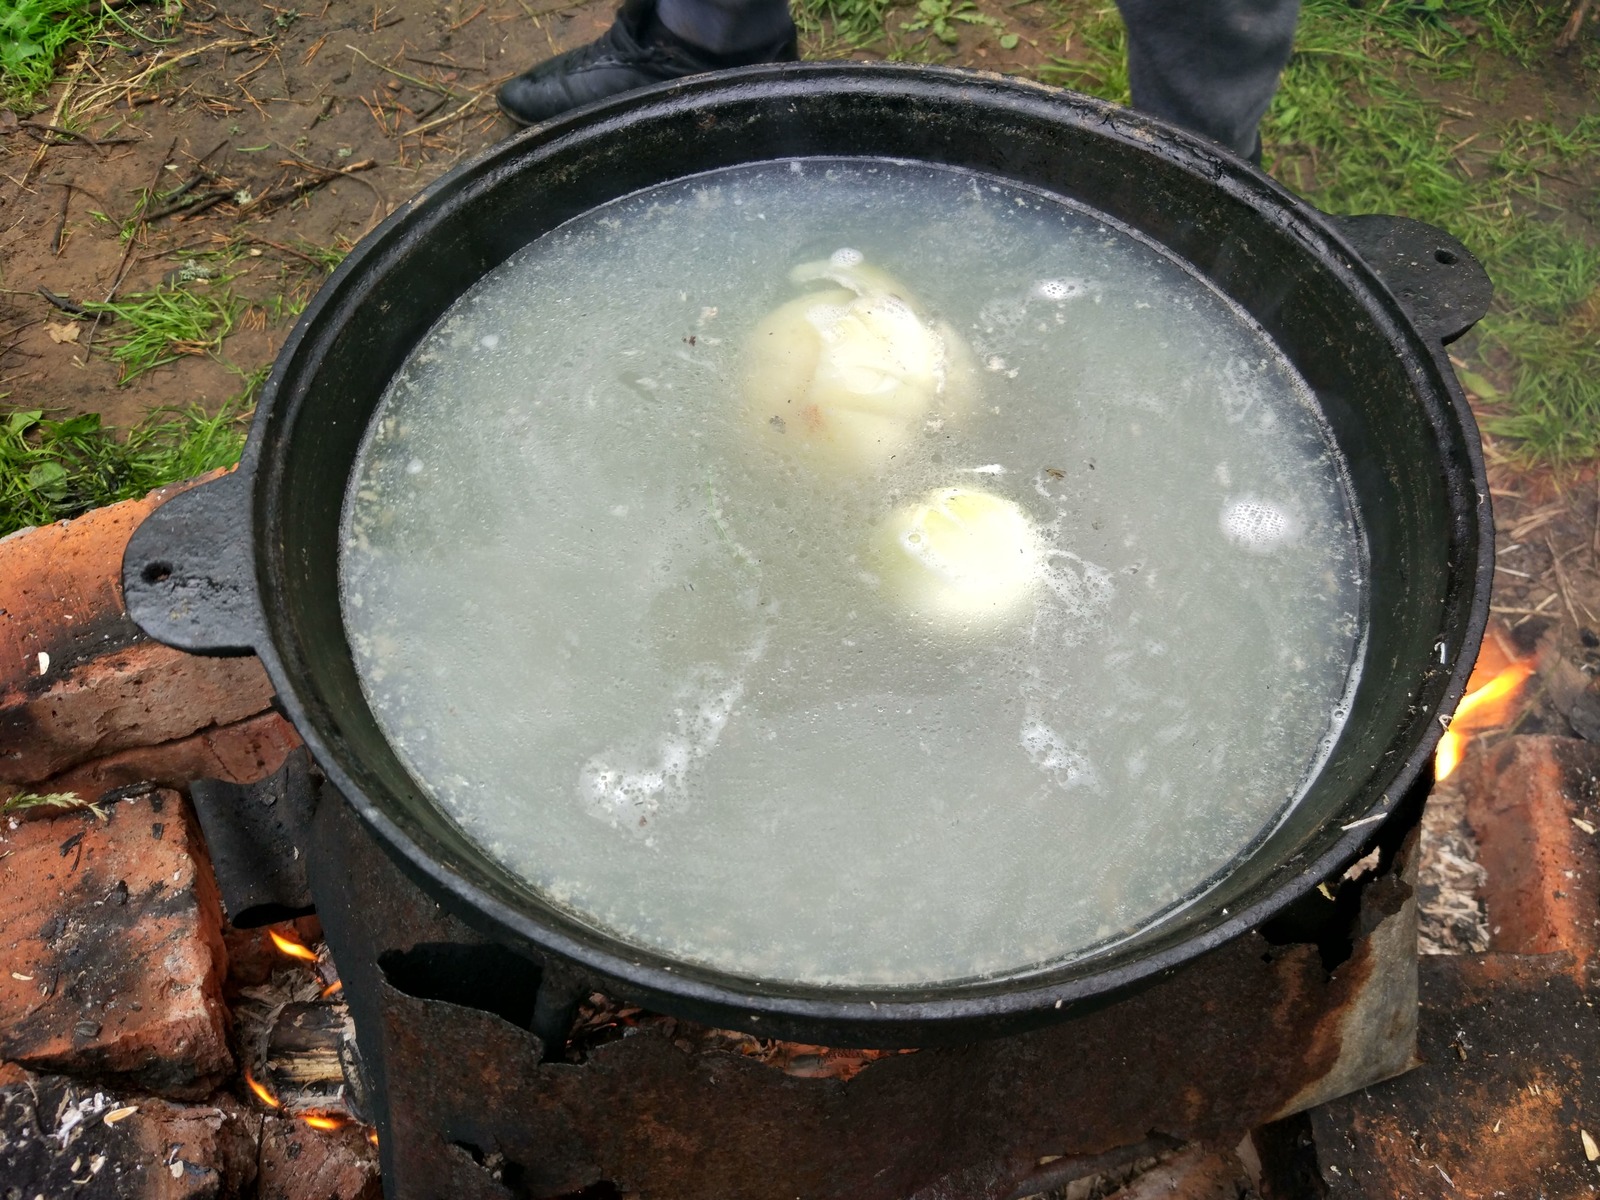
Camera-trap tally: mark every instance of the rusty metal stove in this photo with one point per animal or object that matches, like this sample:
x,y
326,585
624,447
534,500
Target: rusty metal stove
x,y
470,1103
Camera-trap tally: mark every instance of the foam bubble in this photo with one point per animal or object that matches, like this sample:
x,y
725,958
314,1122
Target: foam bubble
x,y
1259,526
627,789
846,257
1049,751
1058,289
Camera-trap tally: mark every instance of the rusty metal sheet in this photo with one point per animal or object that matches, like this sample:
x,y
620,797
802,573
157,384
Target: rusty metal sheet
x,y
1509,1085
468,1109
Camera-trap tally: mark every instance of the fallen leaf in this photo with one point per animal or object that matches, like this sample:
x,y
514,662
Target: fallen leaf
x,y
1586,826
1590,1150
117,1114
67,331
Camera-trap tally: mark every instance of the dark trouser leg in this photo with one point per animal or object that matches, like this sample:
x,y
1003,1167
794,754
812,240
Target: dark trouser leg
x,y
726,26
1210,66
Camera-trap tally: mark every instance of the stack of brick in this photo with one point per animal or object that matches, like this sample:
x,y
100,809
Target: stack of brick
x,y
117,1076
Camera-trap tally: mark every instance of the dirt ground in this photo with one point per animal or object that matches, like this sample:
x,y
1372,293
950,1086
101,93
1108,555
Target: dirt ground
x,y
256,100
298,129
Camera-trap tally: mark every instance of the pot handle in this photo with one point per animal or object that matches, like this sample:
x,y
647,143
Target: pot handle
x,y
1442,287
188,574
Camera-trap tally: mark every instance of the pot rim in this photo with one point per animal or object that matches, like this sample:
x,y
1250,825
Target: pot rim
x,y
869,1015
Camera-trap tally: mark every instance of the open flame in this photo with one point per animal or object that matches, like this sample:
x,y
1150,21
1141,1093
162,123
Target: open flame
x,y
1486,705
323,1121
291,947
260,1092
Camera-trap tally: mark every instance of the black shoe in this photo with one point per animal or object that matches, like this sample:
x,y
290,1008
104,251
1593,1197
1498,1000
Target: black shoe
x,y
635,52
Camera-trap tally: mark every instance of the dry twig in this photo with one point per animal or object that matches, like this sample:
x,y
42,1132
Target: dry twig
x,y
1566,592
1574,26
38,130
55,117
300,187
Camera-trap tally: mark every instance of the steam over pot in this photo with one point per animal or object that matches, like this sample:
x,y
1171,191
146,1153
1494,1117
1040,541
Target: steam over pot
x,y
1361,306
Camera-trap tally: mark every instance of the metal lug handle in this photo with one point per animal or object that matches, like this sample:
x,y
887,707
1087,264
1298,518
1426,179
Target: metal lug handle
x,y
1442,287
188,578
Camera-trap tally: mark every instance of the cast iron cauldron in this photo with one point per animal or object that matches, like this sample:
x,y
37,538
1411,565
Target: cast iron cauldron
x,y
1361,306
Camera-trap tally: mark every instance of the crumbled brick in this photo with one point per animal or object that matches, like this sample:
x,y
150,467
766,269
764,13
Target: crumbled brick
x,y
111,935
301,1163
61,591
59,1137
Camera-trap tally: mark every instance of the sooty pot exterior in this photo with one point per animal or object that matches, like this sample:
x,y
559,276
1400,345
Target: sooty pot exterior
x,y
1362,307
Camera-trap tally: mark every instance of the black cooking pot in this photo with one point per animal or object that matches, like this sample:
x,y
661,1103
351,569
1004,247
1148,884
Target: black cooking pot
x,y
1361,306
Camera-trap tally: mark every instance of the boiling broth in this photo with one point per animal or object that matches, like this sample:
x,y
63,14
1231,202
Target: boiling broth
x,y
648,659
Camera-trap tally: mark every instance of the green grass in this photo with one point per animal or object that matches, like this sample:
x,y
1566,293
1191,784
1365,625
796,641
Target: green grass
x,y
51,469
326,257
160,326
1353,129
838,27
1095,57
944,19
33,36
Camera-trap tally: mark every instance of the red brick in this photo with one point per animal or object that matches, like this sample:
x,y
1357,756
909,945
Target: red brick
x,y
78,680
196,1152
301,1163
141,695
54,1141
61,589
1542,893
243,752
110,931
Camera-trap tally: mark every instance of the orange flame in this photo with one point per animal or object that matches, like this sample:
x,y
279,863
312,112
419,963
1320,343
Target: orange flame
x,y
1484,707
372,1136
292,948
261,1092
322,1121
332,988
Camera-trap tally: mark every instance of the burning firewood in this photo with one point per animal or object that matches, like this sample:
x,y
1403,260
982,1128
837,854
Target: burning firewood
x,y
300,1039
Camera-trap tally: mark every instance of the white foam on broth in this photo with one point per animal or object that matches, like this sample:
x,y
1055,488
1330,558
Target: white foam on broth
x,y
647,660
